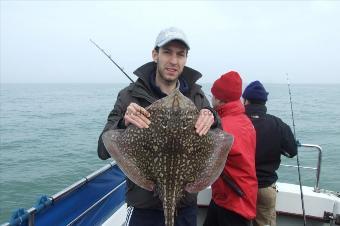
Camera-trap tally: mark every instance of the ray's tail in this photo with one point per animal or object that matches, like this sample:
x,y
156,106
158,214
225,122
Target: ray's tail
x,y
169,206
169,215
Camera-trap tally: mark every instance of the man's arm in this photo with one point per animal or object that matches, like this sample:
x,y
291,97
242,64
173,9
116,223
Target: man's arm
x,y
217,120
208,118
125,112
115,120
288,142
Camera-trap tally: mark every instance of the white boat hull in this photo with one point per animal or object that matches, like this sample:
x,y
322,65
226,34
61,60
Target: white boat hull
x,y
288,206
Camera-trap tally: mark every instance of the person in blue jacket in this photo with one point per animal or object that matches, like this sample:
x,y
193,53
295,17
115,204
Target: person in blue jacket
x,y
273,139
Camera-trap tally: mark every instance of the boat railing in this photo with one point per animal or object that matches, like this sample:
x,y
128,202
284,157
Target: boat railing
x,y
80,182
317,148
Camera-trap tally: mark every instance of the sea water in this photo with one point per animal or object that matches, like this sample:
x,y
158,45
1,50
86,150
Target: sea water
x,y
49,134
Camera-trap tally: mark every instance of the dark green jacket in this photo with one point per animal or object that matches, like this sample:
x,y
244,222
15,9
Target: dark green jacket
x,y
142,94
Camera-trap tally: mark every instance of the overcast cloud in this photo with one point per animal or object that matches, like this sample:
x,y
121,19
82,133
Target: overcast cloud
x,y
48,41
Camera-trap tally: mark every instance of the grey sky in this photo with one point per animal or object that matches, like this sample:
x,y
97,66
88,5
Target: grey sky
x,y
48,41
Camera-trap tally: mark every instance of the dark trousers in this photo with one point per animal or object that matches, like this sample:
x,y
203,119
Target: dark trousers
x,y
218,216
186,216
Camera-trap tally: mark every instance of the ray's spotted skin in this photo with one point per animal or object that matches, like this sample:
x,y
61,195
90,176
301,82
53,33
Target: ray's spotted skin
x,y
169,157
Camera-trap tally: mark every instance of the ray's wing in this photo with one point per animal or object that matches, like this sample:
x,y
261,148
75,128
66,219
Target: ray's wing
x,y
215,162
123,151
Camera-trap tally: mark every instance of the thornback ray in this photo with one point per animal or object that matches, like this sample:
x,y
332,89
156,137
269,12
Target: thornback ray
x,y
169,157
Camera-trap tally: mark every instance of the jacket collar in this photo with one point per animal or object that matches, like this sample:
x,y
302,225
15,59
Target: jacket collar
x,y
183,86
255,110
230,108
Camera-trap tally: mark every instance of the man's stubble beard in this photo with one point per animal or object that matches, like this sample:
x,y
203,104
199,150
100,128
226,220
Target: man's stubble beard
x,y
164,79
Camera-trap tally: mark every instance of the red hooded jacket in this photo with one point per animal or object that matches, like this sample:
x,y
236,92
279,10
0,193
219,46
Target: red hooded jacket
x,y
240,165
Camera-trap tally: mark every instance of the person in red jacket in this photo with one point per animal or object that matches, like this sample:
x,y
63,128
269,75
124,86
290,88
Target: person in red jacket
x,y
234,193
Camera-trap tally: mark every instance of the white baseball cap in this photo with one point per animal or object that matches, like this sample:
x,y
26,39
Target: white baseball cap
x,y
169,34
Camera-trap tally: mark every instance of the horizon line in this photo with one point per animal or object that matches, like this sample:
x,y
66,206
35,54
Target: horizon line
x,y
102,83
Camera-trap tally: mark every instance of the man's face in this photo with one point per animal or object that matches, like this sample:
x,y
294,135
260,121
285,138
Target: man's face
x,y
171,59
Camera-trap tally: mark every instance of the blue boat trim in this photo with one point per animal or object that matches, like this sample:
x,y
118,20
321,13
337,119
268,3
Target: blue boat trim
x,y
90,201
98,202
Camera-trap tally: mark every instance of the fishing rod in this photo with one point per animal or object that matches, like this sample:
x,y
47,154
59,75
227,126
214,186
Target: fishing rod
x,y
297,154
103,51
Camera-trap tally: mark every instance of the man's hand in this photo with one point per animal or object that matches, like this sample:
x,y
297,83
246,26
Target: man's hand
x,y
204,122
137,116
